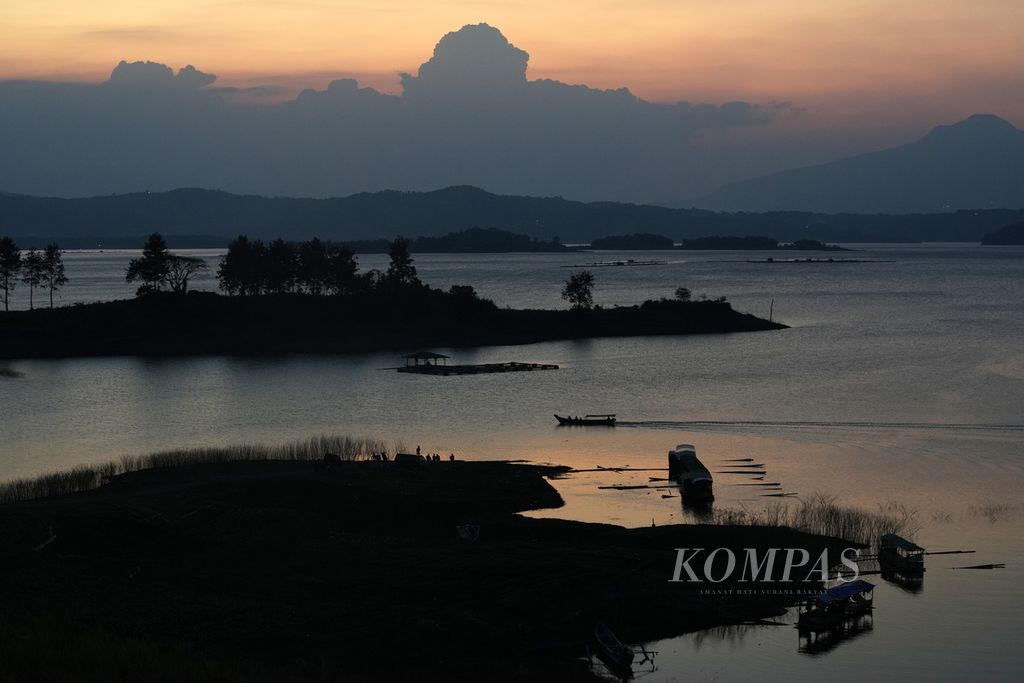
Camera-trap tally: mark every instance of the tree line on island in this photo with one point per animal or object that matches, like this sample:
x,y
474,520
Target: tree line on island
x,y
311,297
44,269
255,268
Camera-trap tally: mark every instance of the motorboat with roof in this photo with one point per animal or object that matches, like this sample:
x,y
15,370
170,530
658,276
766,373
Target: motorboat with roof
x,y
690,473
832,606
898,554
589,420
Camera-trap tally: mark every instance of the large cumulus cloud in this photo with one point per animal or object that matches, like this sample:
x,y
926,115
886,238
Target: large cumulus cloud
x,y
470,115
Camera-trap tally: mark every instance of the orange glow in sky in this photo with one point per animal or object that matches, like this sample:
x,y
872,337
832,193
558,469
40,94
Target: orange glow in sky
x,y
959,55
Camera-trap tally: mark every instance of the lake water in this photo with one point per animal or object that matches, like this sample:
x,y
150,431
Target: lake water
x,y
901,379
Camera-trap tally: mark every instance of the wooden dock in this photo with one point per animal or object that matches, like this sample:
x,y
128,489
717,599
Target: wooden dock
x,y
475,369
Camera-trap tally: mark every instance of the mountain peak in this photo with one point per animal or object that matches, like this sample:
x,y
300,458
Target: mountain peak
x,y
971,164
977,126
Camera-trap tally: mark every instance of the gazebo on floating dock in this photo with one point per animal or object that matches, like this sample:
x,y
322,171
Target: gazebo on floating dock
x,y
427,358
426,363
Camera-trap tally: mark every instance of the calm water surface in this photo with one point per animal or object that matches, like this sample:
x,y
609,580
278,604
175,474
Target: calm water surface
x,y
901,379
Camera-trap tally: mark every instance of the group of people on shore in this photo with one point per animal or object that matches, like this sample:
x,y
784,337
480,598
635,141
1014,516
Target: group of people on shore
x,y
434,457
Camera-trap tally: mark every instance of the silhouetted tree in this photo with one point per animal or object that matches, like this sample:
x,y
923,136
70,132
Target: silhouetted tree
x,y
239,271
342,267
314,269
280,264
53,269
401,270
578,290
32,274
683,294
153,267
10,266
180,270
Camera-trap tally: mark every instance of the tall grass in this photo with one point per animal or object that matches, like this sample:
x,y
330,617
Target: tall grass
x,y
821,514
88,477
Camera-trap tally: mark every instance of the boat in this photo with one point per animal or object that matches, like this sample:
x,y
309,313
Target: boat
x,y
690,473
604,420
616,656
897,554
832,606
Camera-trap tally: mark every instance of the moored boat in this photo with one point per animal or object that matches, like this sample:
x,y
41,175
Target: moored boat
x,y
603,420
832,606
896,553
690,473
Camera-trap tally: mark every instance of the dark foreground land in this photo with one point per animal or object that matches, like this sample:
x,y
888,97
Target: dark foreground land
x,y
206,323
290,571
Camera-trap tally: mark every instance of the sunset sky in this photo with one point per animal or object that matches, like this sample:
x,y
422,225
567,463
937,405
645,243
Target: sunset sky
x,y
843,59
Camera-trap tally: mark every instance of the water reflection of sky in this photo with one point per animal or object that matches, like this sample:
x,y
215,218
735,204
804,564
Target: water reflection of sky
x,y
881,392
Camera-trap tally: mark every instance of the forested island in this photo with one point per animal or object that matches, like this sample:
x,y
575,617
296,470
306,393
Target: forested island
x,y
471,241
648,241
1009,235
311,298
633,242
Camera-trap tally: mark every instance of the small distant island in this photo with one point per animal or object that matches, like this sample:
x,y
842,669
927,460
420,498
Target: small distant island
x,y
471,241
1009,235
639,241
648,241
311,298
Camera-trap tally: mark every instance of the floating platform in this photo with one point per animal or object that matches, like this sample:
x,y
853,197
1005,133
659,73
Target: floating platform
x,y
611,264
477,369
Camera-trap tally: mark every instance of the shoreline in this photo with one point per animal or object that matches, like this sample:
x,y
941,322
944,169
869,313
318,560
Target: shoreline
x,y
202,323
280,563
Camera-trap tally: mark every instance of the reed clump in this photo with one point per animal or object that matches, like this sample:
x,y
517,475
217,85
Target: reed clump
x,y
821,514
88,477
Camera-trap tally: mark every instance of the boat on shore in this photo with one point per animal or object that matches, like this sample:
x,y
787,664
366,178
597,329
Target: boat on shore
x,y
610,650
691,474
833,606
897,554
601,420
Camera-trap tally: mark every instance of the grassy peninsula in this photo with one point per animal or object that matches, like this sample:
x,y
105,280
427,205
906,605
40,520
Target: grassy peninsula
x,y
205,569
311,298
208,323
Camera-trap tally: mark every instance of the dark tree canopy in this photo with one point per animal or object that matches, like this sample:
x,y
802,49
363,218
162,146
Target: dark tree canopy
x,y
252,268
239,271
152,267
10,266
314,266
401,270
33,273
578,290
341,274
281,266
53,269
181,269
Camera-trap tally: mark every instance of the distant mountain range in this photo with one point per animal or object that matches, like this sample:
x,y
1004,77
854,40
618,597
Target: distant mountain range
x,y
977,163
210,218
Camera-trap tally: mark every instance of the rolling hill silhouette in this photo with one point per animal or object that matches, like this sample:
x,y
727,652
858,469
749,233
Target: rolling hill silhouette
x,y
209,218
977,163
